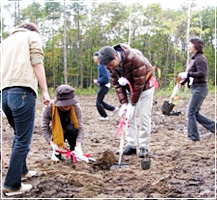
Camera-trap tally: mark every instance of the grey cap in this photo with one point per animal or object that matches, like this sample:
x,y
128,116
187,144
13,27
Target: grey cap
x,y
65,96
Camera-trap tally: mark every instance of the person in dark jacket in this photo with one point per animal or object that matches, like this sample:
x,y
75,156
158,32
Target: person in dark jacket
x,y
196,76
128,65
103,82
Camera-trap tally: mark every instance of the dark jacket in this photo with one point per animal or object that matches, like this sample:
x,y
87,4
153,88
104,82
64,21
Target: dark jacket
x,y
198,70
103,75
136,69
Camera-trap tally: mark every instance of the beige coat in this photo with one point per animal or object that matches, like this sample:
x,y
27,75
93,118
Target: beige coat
x,y
20,52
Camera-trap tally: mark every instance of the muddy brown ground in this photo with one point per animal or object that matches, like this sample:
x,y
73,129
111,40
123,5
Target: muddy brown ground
x,y
179,169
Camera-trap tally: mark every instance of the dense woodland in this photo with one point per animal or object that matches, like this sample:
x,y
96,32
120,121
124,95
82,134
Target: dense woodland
x,y
73,31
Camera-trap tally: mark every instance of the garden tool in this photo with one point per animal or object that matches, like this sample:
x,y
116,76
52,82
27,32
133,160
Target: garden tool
x,y
121,146
123,124
168,105
175,91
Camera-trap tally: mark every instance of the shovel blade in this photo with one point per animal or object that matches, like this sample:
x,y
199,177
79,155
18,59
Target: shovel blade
x,y
115,166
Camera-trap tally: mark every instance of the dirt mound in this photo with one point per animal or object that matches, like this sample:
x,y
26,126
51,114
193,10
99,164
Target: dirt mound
x,y
105,161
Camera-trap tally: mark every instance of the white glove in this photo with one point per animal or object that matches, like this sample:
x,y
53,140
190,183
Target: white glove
x,y
122,81
79,154
54,146
191,80
130,111
123,110
78,150
183,75
54,153
108,85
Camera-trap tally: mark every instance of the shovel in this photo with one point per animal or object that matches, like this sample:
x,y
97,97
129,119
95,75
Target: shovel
x,y
121,150
123,122
168,105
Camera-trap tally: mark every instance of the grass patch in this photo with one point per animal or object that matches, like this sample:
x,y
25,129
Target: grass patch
x,y
159,93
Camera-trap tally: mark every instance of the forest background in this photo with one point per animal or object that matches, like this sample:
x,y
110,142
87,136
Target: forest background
x,y
73,30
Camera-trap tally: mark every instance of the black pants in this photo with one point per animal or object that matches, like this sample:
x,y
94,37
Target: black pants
x,y
100,104
70,134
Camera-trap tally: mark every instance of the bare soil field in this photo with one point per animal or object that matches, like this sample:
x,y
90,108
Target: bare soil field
x,y
179,169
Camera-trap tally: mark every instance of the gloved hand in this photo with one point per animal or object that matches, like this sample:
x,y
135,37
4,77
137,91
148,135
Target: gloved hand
x,y
55,154
123,110
78,150
54,146
183,75
179,85
108,85
130,111
191,80
122,81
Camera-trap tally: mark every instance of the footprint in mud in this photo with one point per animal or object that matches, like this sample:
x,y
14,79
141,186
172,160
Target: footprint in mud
x,y
106,160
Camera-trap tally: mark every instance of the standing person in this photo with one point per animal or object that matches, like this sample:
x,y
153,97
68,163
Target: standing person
x,y
22,70
130,64
196,76
62,120
103,82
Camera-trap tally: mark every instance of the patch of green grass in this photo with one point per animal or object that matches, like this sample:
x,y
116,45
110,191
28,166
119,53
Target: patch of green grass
x,y
160,92
86,91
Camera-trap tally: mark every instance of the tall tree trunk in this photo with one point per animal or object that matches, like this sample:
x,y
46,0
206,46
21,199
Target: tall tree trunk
x,y
65,52
53,63
79,51
130,24
91,72
188,32
167,63
15,14
18,12
187,37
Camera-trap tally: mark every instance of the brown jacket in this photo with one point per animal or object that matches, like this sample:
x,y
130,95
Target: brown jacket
x,y
136,69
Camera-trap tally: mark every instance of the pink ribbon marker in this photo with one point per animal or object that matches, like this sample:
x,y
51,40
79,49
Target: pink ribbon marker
x,y
71,154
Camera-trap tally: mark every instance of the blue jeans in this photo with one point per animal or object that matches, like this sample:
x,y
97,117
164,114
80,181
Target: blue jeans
x,y
198,95
18,104
100,104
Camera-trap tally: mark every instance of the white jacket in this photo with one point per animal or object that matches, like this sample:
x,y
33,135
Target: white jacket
x,y
20,51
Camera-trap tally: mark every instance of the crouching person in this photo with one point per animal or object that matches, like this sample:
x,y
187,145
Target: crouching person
x,y
62,120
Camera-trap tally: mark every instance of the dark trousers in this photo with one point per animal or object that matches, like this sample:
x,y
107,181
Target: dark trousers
x,y
70,134
198,95
100,104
